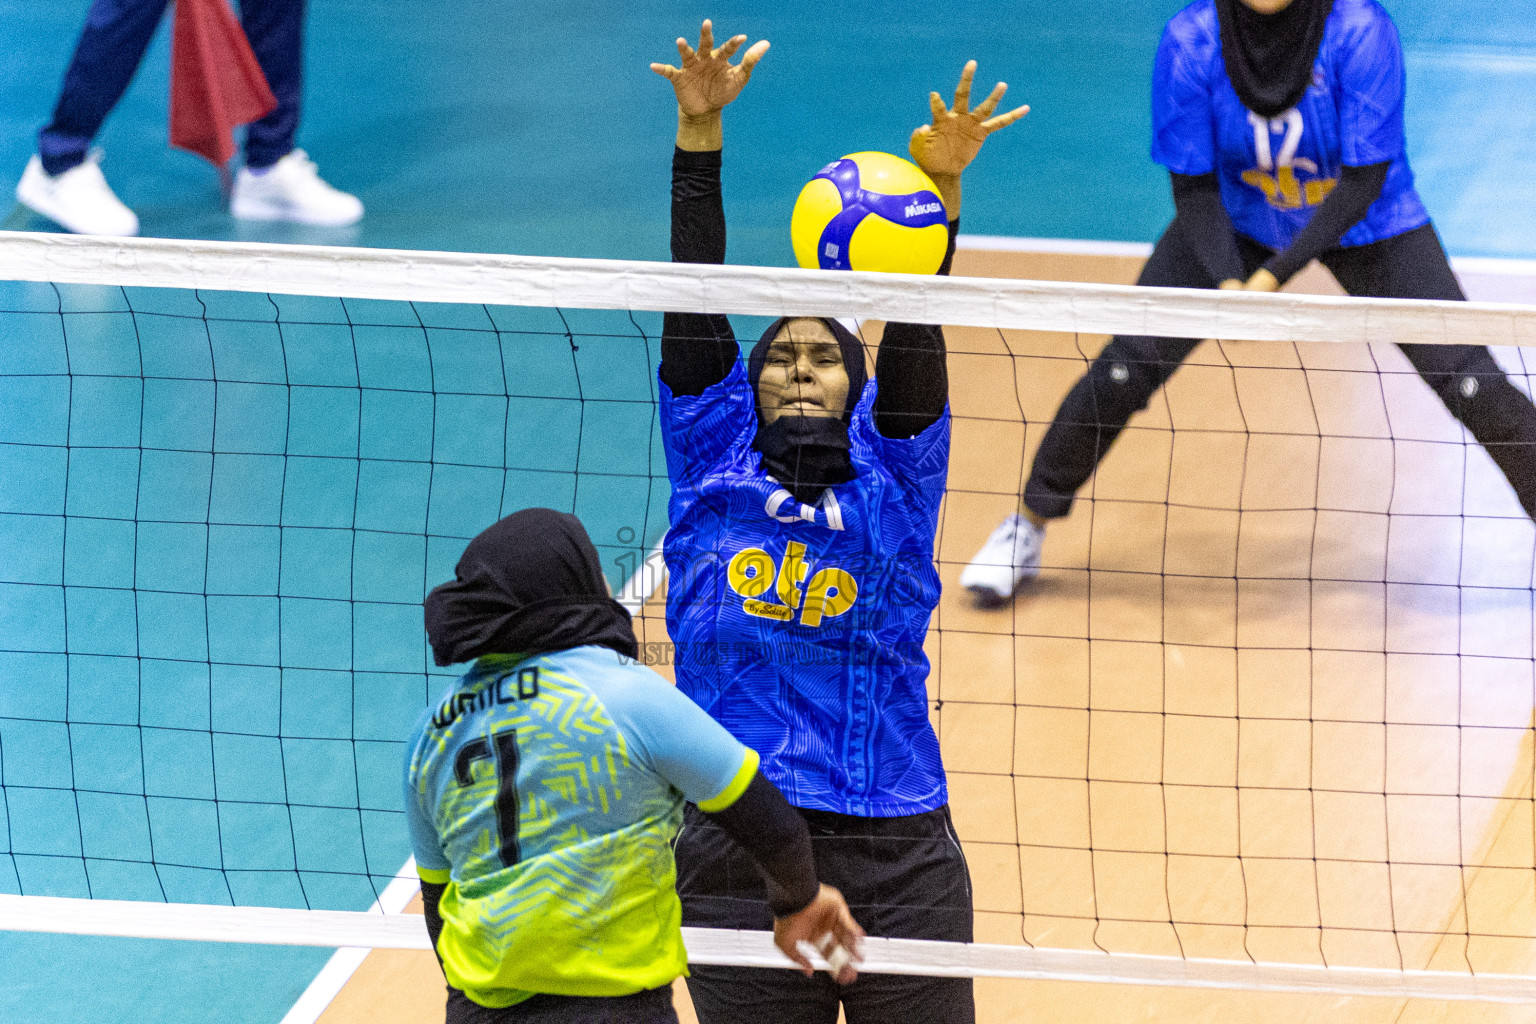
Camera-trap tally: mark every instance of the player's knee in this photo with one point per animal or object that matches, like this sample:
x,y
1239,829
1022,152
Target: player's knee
x,y
1491,407
1124,377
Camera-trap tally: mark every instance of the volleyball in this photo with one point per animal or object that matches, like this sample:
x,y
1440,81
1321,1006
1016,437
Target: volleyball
x,y
870,211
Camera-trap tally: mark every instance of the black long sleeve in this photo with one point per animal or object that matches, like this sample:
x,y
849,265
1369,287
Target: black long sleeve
x,y
431,895
1202,218
911,368
763,823
1357,189
697,349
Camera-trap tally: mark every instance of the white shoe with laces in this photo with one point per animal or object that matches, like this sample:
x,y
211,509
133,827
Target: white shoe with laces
x,y
1008,558
78,200
292,190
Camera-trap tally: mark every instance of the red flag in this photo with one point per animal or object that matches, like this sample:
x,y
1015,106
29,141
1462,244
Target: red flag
x,y
216,83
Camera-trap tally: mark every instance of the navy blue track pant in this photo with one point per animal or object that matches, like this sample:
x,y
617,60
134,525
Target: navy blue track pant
x,y
116,34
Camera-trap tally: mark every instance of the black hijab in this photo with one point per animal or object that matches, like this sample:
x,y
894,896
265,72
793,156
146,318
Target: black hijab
x,y
529,584
1269,57
808,454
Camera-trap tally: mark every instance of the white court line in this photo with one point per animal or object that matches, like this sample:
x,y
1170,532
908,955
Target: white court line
x,y
333,977
1065,246
1087,247
647,579
1483,278
338,970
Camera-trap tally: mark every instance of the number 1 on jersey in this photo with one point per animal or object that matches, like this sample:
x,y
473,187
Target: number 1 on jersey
x,y
505,763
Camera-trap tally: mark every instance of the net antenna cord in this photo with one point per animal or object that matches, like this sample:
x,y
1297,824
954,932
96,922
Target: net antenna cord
x,y
765,291
375,930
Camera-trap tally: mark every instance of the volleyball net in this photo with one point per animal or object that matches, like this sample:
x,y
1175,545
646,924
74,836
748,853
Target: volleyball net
x,y
1264,721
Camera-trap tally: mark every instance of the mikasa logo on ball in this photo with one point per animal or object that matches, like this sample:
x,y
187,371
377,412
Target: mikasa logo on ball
x,y
870,211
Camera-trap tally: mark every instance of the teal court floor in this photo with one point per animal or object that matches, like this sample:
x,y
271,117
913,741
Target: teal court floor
x,y
217,517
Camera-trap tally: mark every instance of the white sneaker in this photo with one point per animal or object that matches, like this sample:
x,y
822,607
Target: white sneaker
x,y
1008,558
291,190
78,200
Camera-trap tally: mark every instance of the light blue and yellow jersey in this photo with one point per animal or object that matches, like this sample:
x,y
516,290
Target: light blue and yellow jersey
x,y
546,793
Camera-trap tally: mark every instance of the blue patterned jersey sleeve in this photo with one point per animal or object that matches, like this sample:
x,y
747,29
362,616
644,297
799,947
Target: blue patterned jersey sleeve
x,y
920,464
426,845
700,431
1371,83
1183,120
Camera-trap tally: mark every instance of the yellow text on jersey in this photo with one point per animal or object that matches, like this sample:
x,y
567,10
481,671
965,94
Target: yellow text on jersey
x,y
754,573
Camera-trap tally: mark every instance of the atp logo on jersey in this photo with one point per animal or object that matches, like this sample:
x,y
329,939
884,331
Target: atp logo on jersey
x,y
753,573
1276,174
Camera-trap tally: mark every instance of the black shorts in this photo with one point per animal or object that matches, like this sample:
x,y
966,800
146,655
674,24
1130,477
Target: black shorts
x,y
653,1006
903,878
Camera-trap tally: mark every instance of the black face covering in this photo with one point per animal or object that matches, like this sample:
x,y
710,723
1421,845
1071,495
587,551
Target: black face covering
x,y
1269,57
808,454
529,584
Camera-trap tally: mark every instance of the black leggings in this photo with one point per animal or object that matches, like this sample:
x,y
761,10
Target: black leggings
x,y
1130,369
903,877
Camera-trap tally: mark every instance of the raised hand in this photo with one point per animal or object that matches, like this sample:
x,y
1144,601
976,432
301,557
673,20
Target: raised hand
x,y
708,81
946,146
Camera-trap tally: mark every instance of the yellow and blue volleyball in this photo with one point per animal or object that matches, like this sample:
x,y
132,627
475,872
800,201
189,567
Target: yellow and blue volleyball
x,y
870,211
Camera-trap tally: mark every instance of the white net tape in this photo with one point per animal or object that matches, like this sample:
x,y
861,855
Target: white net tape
x,y
765,291
756,949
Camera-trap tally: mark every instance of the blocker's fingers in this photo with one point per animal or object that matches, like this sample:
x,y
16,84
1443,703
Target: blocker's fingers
x,y
936,104
753,55
684,51
798,956
707,37
963,90
664,70
731,46
992,124
985,108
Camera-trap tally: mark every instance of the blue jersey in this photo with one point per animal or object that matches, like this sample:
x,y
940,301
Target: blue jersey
x,y
545,794
1274,172
800,628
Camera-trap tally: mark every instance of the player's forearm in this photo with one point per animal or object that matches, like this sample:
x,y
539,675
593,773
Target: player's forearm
x,y
949,191
698,207
431,896
1357,189
763,823
697,349
913,372
1203,219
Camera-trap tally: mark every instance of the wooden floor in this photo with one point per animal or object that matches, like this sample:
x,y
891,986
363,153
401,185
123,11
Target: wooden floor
x,y
1243,712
